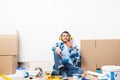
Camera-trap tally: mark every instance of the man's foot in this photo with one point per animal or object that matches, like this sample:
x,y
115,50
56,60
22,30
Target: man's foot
x,y
55,73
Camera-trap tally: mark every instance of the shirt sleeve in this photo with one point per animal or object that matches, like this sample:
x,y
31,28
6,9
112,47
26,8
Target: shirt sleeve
x,y
76,54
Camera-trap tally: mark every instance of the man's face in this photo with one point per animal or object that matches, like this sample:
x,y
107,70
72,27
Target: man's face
x,y
65,37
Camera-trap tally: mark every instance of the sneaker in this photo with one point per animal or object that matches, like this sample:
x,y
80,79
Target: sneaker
x,y
64,76
55,73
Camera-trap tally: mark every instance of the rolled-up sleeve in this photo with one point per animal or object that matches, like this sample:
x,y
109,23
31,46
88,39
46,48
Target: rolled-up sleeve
x,y
75,54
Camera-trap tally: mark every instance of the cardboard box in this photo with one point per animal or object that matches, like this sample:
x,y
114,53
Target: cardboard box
x,y
8,64
96,53
8,44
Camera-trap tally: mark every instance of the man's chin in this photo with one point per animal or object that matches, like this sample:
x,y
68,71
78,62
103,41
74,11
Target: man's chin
x,y
65,41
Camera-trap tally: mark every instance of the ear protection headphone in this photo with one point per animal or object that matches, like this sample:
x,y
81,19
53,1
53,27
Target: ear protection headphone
x,y
60,38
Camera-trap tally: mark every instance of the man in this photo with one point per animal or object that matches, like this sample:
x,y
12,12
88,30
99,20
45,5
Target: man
x,y
66,57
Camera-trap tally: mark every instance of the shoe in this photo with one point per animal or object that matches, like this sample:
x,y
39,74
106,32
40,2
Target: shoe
x,y
64,76
55,73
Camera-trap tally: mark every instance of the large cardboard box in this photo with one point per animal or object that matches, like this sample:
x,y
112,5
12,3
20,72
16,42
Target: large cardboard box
x,y
9,44
96,53
8,64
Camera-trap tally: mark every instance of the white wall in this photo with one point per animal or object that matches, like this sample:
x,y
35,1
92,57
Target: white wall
x,y
40,22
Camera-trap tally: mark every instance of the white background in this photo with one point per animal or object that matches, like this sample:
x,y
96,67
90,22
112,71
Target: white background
x,y
40,22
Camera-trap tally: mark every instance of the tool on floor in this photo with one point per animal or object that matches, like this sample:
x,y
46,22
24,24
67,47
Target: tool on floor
x,y
5,77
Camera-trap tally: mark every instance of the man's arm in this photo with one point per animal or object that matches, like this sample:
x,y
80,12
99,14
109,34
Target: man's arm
x,y
75,53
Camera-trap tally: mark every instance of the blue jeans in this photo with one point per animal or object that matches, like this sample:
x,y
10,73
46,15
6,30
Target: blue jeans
x,y
57,60
68,68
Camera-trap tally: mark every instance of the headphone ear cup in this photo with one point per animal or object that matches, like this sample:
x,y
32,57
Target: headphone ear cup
x,y
70,37
60,38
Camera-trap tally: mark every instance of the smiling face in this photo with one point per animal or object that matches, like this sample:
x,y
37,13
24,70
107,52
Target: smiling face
x,y
65,37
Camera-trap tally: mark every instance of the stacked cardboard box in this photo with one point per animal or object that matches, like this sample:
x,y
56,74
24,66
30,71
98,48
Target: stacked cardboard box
x,y
97,53
8,53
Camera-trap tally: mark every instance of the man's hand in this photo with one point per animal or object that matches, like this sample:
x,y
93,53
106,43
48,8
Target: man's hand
x,y
58,51
69,44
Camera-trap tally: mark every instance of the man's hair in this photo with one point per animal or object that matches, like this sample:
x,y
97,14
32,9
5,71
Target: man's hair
x,y
65,32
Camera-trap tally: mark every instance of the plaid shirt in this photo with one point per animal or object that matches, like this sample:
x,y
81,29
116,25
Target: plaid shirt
x,y
67,53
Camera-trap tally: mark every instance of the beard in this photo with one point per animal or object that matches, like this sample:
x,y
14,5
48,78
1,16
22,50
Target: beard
x,y
65,41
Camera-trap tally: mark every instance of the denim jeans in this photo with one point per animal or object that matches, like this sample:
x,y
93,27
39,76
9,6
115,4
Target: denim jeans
x,y
57,60
68,68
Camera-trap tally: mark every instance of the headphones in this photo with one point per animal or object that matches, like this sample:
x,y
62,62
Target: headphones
x,y
60,38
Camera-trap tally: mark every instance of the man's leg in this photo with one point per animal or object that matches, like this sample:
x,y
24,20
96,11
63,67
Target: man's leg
x,y
59,67
58,61
71,70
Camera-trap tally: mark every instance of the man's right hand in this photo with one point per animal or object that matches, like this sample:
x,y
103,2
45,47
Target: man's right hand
x,y
58,51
